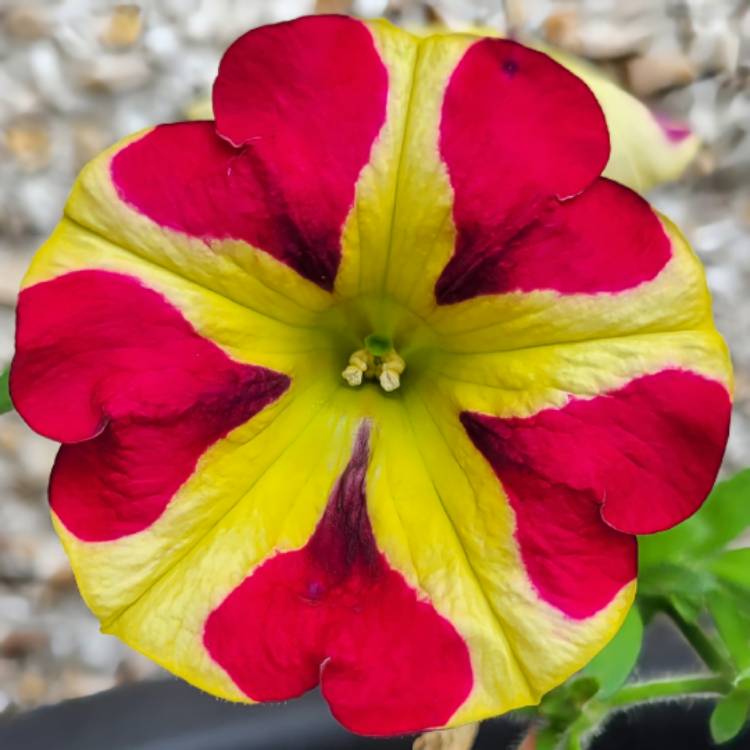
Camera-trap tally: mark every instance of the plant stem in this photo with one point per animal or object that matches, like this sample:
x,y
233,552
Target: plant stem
x,y
574,742
701,642
641,692
595,710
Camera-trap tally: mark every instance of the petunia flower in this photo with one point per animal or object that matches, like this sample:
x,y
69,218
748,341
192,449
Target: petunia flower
x,y
372,381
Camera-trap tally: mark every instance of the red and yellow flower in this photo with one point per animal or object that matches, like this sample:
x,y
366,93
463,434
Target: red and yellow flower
x,y
531,377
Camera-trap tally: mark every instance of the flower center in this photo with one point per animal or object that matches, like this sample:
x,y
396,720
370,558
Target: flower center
x,y
378,360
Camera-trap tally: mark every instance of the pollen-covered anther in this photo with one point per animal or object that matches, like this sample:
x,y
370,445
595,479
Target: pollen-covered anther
x,y
386,369
391,368
359,363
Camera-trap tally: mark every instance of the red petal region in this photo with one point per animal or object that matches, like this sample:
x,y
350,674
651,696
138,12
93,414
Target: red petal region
x,y
114,370
294,128
636,460
520,135
335,612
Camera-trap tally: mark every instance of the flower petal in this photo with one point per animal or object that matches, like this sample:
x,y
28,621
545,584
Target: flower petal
x,y
295,533
113,574
259,221
487,111
676,299
647,149
555,144
445,229
605,240
643,458
442,520
100,356
369,232
228,267
288,110
259,491
335,611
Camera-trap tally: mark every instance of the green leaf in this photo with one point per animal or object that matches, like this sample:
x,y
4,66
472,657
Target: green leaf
x,y
733,567
685,586
581,689
724,515
733,624
5,403
558,706
667,579
688,607
729,716
611,666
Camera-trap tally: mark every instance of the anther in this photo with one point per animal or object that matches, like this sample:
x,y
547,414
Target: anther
x,y
386,368
390,371
358,365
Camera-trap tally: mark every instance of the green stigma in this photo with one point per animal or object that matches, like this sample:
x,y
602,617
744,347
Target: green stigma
x,y
378,345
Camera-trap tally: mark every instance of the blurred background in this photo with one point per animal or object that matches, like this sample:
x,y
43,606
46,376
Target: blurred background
x,y
76,75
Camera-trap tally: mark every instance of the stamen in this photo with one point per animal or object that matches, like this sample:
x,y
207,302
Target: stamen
x,y
352,375
390,371
386,368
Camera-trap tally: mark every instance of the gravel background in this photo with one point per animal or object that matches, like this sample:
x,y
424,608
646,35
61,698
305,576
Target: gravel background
x,y
75,75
